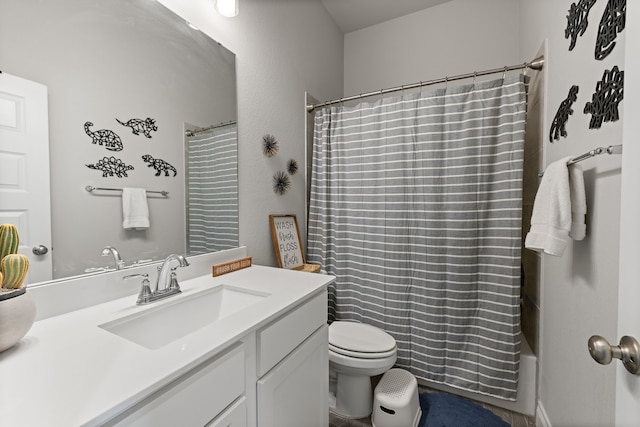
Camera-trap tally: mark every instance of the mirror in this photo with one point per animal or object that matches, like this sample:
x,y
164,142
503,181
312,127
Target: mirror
x,y
115,64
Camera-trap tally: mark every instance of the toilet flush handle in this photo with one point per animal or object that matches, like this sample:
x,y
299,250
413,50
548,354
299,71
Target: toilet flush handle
x,y
628,351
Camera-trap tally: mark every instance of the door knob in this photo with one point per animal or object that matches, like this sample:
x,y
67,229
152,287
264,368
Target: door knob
x,y
40,250
628,351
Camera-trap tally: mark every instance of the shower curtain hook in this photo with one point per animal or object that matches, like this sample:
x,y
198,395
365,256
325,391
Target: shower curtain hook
x,y
526,68
504,73
475,74
446,82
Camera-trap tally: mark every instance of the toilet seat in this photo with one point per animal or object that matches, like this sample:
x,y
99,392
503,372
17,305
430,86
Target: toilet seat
x,y
360,340
360,355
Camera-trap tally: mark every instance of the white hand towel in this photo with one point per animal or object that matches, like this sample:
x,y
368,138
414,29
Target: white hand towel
x,y
134,209
578,202
551,217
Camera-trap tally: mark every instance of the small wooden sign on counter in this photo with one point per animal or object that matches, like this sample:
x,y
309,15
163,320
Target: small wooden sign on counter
x,y
286,241
228,267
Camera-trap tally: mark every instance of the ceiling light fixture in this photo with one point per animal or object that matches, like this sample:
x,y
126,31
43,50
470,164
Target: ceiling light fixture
x,y
228,8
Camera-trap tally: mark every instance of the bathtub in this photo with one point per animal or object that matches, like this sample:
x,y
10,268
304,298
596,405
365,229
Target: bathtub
x,y
526,400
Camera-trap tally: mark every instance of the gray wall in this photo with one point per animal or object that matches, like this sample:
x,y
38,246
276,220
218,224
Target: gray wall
x,y
456,37
283,48
579,290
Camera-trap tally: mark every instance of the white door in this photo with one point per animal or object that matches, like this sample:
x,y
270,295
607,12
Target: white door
x,y
628,385
24,170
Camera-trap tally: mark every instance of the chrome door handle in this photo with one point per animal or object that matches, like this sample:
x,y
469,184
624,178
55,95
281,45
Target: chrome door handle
x,y
628,351
40,250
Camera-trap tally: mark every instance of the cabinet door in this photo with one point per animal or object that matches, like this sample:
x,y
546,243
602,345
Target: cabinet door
x,y
295,392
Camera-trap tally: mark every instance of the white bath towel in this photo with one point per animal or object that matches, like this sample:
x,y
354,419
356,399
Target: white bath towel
x,y
135,209
578,202
559,209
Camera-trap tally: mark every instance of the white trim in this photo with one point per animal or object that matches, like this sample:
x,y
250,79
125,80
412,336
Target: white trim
x,y
541,417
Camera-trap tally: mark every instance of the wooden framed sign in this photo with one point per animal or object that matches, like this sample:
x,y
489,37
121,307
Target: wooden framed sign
x,y
286,241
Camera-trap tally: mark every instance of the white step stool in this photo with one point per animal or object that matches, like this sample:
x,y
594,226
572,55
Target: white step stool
x,y
395,400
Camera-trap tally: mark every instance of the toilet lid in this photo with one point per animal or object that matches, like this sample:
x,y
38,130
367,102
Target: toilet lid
x,y
360,338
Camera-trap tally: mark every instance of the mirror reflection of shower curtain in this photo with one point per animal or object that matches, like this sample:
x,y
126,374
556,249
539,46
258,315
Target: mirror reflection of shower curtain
x,y
212,190
416,208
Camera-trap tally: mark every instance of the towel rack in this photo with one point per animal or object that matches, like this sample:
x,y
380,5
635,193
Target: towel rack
x,y
91,188
612,149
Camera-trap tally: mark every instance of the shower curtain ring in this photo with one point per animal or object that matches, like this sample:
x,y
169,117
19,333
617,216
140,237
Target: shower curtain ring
x,y
504,73
446,82
475,74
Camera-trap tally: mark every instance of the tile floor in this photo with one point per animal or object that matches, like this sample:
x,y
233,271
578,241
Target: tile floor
x,y
513,418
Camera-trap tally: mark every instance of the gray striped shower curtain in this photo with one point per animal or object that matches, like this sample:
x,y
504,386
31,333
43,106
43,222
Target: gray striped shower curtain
x,y
416,206
212,190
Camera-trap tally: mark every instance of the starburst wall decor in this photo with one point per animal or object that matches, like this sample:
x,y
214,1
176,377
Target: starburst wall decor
x,y
281,183
269,145
292,167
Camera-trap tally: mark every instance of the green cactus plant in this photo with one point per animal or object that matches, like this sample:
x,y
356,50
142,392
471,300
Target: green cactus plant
x,y
9,240
13,266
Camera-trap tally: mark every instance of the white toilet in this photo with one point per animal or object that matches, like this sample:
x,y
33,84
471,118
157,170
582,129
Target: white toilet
x,y
357,352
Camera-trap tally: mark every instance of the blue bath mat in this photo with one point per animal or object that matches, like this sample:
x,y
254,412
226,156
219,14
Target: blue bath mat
x,y
447,410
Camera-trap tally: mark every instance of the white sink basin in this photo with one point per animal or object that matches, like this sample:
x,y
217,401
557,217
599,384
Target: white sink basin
x,y
170,320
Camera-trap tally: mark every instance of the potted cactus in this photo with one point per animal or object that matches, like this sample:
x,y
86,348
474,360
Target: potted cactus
x,y
17,308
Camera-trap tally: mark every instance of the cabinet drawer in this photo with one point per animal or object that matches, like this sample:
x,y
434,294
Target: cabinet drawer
x,y
193,399
282,336
235,416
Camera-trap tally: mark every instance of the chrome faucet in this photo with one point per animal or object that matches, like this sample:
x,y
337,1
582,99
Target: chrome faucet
x,y
162,273
146,295
110,250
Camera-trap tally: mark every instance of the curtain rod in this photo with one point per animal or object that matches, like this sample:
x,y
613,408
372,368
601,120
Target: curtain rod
x,y
208,128
536,64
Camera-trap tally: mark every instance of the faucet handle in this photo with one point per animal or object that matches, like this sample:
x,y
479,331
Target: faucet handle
x,y
173,281
145,294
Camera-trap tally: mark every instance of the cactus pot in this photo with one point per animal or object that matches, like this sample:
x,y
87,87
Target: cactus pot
x,y
17,313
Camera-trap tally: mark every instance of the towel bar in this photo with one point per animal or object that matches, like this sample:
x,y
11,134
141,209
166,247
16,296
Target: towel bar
x,y
612,149
91,188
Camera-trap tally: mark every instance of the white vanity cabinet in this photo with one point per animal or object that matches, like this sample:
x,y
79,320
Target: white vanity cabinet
x,y
276,376
259,366
293,368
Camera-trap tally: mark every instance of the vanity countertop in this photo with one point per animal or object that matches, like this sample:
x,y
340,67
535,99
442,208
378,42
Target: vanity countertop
x,y
67,371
